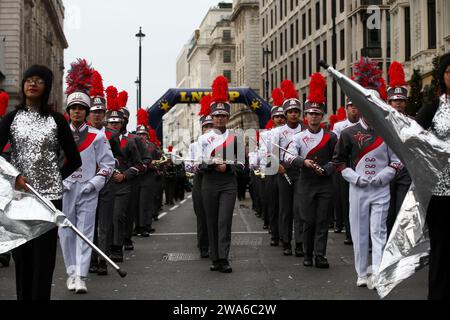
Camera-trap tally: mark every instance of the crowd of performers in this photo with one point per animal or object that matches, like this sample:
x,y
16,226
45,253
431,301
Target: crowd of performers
x,y
305,175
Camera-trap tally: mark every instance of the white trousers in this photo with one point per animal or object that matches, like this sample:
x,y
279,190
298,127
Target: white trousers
x,y
80,210
368,214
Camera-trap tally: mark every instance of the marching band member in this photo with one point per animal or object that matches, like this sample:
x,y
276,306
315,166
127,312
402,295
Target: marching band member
x,y
372,167
397,98
193,167
311,151
219,184
271,195
83,186
351,117
288,175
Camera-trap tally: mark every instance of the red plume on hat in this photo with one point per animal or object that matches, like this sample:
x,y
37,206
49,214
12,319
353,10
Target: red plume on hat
x,y
289,90
341,114
220,90
142,117
123,99
269,125
170,149
205,104
367,73
397,75
277,97
383,89
97,89
79,77
317,87
112,103
4,100
333,120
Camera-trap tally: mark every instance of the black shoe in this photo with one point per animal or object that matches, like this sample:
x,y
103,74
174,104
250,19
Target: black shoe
x,y
225,267
204,253
274,243
4,259
155,218
338,230
93,268
102,268
128,245
151,230
299,251
117,255
287,250
215,266
322,262
348,242
308,261
143,233
331,225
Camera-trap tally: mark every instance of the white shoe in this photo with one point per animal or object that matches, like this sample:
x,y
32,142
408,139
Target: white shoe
x,y
362,282
80,286
70,283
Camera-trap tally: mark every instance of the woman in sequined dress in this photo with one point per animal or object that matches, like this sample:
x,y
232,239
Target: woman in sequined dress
x,y
436,118
37,134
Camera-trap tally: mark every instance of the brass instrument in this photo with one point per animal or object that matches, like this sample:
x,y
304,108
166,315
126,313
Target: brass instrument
x,y
259,173
161,161
190,175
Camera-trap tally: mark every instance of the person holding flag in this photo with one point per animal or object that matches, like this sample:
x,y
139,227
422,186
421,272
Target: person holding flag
x,y
36,134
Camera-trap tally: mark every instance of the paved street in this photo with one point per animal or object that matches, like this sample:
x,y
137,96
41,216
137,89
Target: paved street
x,y
167,266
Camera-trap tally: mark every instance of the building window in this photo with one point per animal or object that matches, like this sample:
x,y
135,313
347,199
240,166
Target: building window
x,y
407,34
297,74
292,71
324,11
281,44
281,74
317,15
227,74
285,40
292,35
276,48
285,8
310,62
304,26
263,27
388,34
325,55
342,36
281,10
341,6
432,24
304,66
226,34
271,49
227,56
296,31
271,19
317,57
309,21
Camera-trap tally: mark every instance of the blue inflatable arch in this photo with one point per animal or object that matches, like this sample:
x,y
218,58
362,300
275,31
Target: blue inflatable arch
x,y
174,97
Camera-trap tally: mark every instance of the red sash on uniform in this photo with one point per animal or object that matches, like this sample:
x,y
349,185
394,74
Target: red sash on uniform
x,y
378,142
326,138
6,147
87,142
224,145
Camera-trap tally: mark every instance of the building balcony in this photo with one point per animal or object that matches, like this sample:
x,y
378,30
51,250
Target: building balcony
x,y
372,52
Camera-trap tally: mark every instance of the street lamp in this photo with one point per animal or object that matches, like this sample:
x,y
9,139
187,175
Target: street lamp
x,y
137,94
140,35
266,53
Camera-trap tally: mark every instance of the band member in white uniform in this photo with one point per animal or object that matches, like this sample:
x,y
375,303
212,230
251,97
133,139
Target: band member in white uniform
x,y
82,189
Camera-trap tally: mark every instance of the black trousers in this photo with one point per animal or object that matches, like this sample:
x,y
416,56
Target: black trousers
x,y
35,263
271,196
289,211
121,203
315,208
342,204
169,188
399,188
438,221
219,191
132,212
202,227
158,198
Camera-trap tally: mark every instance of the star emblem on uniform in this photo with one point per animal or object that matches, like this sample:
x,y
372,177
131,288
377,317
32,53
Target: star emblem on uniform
x,y
256,104
165,106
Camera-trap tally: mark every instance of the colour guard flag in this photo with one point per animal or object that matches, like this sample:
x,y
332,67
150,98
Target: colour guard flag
x,y
23,217
425,157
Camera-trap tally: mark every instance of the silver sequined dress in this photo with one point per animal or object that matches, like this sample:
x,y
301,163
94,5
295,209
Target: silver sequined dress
x,y
441,128
35,148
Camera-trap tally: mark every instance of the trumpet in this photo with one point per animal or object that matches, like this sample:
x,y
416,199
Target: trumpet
x,y
161,161
259,173
190,175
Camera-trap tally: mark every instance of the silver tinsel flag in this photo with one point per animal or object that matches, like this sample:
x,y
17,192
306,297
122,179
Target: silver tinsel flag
x,y
23,216
425,157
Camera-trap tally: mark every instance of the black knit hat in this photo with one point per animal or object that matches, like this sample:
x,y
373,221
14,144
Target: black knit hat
x,y
45,74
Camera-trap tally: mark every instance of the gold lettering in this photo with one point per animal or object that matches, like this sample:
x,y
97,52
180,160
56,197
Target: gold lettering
x,y
184,97
197,96
234,95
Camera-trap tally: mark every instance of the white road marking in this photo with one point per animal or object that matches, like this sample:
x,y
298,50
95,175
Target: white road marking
x,y
194,233
190,196
174,208
162,215
183,202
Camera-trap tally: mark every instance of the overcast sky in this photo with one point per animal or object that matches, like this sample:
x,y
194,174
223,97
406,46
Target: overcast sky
x,y
103,32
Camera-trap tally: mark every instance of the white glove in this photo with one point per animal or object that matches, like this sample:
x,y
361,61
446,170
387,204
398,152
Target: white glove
x,y
362,182
88,188
376,182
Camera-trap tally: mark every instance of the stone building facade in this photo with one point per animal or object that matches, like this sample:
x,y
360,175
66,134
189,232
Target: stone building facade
x,y
31,32
421,30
